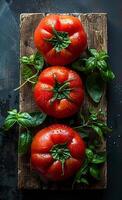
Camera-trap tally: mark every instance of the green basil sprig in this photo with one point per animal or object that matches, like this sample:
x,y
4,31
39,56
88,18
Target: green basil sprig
x,y
25,140
24,119
91,166
93,122
27,121
32,65
97,61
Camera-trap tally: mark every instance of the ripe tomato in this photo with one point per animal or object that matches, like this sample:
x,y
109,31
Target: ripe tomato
x,y
59,91
60,39
57,152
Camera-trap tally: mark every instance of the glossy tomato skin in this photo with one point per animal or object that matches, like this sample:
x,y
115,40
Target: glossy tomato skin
x,y
44,92
43,162
62,23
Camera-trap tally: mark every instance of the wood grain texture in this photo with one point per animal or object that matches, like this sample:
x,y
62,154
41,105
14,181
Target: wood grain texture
x,y
95,25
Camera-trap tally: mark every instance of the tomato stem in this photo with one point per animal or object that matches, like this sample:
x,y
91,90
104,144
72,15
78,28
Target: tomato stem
x,y
64,86
60,152
56,34
61,90
60,40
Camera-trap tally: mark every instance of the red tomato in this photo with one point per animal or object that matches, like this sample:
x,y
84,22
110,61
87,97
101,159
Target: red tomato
x,y
57,152
59,91
60,39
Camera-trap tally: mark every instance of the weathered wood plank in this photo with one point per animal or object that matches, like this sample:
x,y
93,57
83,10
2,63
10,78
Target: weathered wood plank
x,y
95,25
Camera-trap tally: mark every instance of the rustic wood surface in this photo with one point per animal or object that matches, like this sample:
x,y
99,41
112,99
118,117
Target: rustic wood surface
x,y
96,27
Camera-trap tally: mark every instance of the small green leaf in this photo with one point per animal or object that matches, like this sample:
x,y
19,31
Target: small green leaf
x,y
90,64
101,64
10,120
97,130
94,52
107,75
84,181
89,154
25,140
103,55
38,61
95,87
38,118
12,112
93,117
25,60
95,172
99,158
9,123
27,72
103,126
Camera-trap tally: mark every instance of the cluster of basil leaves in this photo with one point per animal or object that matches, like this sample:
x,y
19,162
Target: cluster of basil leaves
x,y
92,123
27,121
32,65
95,67
97,70
91,166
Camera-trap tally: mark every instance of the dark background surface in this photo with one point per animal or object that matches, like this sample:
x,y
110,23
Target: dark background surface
x,y
9,79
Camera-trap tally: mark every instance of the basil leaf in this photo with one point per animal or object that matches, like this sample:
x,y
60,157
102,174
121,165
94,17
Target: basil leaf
x,y
95,87
103,55
99,158
24,119
94,52
25,140
93,117
84,181
90,64
10,120
107,75
9,123
38,61
27,72
97,62
25,60
12,112
103,126
95,172
97,130
89,154
38,118
101,64
32,119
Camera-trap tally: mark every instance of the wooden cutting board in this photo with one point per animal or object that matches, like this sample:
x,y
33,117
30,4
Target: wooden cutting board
x,y
95,25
